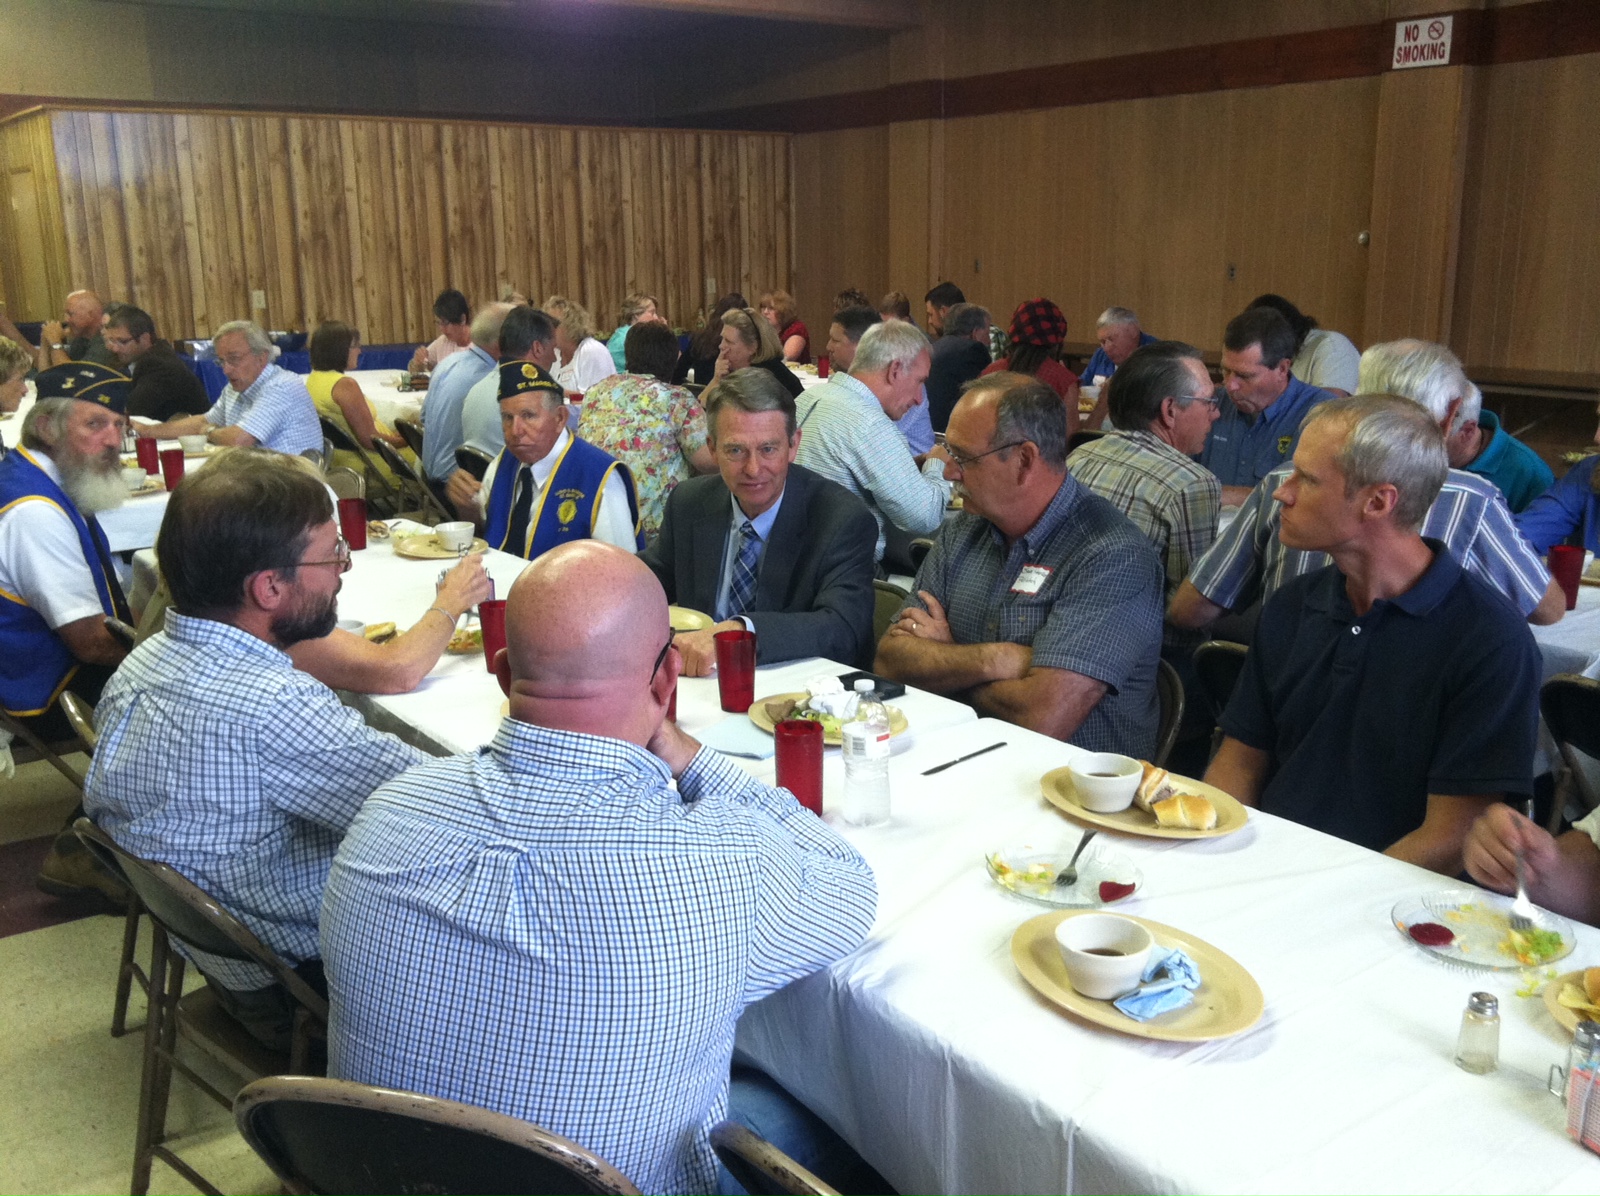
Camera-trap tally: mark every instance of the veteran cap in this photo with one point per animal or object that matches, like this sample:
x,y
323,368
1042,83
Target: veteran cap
x,y
519,376
87,381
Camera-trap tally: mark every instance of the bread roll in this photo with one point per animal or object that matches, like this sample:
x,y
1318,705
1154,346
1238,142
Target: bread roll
x,y
1591,985
1155,785
380,633
1185,811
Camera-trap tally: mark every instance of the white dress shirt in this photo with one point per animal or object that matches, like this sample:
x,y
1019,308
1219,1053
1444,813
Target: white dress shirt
x,y
613,522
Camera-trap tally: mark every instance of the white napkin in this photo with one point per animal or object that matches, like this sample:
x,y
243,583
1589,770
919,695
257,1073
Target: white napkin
x,y
736,735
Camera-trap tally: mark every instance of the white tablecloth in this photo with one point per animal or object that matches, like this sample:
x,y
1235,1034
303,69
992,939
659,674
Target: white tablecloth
x,y
928,1051
388,400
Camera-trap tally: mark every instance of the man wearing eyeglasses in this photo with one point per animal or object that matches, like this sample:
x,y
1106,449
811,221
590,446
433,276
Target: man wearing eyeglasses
x,y
766,545
1040,603
216,754
262,405
163,387
594,897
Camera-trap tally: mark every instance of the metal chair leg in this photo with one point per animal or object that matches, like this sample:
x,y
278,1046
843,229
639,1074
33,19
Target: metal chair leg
x,y
154,1028
128,970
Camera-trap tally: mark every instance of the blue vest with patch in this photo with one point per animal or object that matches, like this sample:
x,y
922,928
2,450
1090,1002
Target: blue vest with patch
x,y
566,508
35,665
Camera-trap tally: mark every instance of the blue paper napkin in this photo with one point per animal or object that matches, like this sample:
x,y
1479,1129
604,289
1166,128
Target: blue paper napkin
x,y
736,735
1170,978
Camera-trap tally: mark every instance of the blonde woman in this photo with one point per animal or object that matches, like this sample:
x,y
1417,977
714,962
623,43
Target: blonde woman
x,y
584,359
748,338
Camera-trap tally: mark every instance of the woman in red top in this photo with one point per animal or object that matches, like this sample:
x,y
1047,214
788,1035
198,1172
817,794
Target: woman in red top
x,y
778,307
1037,330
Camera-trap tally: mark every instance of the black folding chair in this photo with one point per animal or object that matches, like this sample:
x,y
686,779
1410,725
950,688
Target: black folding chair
x,y
413,490
1570,705
473,461
379,490
338,1136
411,432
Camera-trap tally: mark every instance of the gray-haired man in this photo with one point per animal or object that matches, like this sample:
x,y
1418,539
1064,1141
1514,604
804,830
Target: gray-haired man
x,y
1040,603
850,437
1391,697
262,404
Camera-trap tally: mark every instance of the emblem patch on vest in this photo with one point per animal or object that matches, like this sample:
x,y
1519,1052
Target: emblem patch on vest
x,y
568,510
1283,444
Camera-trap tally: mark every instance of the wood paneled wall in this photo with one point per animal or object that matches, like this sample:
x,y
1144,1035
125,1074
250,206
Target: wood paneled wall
x,y
33,268
1183,208
367,220
843,213
1528,289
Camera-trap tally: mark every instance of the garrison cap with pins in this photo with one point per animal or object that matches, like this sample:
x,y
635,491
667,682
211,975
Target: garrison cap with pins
x,y
519,376
87,381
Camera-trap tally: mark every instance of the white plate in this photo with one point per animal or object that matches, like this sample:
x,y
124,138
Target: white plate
x,y
1028,870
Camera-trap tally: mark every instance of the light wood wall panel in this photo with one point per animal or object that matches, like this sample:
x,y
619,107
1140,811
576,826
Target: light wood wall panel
x,y
843,213
1528,286
1183,208
33,241
195,215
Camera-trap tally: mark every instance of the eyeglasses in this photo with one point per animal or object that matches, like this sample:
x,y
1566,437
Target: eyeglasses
x,y
1213,399
672,634
341,557
964,461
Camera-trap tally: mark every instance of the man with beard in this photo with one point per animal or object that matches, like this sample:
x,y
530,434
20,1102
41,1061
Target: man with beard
x,y
216,754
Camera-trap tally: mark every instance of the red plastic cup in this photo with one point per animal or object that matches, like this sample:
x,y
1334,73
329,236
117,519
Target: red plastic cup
x,y
172,467
824,368
492,617
736,669
353,522
799,760
1566,566
148,453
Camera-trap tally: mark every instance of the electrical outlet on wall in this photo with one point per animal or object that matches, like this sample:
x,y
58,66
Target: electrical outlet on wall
x,y
258,300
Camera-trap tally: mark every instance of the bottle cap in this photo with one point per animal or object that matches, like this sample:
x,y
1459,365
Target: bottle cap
x,y
1483,1003
865,685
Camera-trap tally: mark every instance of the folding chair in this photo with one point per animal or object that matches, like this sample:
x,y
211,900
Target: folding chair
x,y
473,461
411,432
1218,663
887,599
338,1136
179,910
31,748
378,488
411,485
1169,689
760,1167
1570,705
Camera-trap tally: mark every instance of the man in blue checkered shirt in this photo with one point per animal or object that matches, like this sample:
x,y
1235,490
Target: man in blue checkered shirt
x,y
565,925
216,755
1040,603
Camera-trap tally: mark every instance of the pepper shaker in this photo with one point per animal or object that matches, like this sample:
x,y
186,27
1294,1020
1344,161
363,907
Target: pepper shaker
x,y
1478,1047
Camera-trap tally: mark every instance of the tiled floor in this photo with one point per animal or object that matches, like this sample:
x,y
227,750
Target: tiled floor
x,y
72,1091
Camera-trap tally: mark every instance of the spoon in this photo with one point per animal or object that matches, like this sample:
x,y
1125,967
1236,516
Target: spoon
x,y
1069,875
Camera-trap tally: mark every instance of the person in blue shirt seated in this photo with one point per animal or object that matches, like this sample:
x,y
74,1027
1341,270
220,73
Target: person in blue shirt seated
x,y
1570,508
486,885
1118,332
1261,412
1478,444
1389,698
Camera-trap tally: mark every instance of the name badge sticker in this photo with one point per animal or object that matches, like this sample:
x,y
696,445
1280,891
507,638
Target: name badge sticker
x,y
1031,579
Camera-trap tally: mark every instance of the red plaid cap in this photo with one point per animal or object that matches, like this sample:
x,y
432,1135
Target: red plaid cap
x,y
1038,322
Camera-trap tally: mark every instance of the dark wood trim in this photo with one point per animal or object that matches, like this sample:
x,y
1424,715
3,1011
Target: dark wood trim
x,y
1542,29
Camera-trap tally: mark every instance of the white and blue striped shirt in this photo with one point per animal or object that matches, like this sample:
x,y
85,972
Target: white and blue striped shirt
x,y
219,757
276,409
547,928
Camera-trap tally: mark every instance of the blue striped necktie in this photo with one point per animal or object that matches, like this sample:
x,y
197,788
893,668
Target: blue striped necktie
x,y
743,590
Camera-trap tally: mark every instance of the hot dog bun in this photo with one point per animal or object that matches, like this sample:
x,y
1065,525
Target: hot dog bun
x,y
1185,811
1155,785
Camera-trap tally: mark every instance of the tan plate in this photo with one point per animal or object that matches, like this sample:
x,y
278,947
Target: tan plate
x,y
1568,1019
684,618
1060,793
759,716
152,485
428,548
1228,1000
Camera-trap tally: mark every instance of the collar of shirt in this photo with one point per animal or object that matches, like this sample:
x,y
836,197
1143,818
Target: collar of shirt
x,y
1494,444
1291,403
1429,590
762,522
545,752
250,393
1151,443
209,633
47,463
1055,513
857,389
452,363
546,465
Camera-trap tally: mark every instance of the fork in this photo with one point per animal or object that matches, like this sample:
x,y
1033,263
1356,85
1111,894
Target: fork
x,y
1521,916
1069,875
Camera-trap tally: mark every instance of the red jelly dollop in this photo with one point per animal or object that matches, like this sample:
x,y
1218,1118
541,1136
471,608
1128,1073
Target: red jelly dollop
x,y
1431,934
1111,890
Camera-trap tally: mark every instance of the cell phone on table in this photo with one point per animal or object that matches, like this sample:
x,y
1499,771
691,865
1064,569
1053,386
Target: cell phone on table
x,y
886,689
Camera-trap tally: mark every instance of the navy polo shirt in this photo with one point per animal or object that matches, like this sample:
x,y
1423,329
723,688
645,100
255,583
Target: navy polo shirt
x,y
1435,691
1242,449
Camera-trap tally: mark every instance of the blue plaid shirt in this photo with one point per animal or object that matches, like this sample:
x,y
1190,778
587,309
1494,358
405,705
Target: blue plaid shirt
x,y
1097,613
219,757
276,409
546,928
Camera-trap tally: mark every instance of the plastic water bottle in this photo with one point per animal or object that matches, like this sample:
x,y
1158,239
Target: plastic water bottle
x,y
866,760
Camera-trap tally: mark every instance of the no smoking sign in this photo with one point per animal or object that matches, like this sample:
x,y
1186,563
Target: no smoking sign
x,y
1422,43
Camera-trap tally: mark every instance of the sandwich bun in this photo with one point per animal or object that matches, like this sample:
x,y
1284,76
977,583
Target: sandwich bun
x,y
1185,811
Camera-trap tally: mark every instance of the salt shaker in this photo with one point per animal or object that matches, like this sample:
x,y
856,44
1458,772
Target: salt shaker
x,y
1478,1048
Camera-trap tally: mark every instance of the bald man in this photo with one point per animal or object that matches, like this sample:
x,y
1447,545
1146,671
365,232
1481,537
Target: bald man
x,y
77,337
546,927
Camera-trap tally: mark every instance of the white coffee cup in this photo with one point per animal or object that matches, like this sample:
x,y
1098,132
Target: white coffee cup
x,y
133,477
454,536
1106,782
194,443
1105,954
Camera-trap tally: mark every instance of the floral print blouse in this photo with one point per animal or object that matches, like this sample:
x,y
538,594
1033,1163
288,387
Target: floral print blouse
x,y
651,426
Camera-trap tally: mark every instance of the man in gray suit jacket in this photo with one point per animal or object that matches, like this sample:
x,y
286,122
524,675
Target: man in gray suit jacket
x,y
765,544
